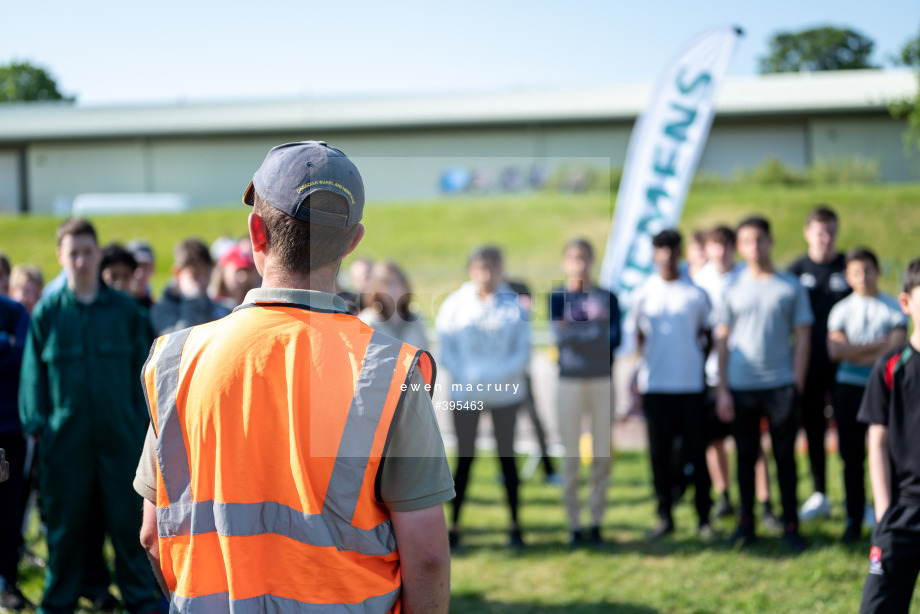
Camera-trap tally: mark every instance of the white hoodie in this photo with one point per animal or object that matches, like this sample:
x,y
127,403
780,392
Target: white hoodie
x,y
485,345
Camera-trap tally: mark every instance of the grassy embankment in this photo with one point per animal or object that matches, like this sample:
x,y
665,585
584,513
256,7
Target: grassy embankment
x,y
433,239
678,575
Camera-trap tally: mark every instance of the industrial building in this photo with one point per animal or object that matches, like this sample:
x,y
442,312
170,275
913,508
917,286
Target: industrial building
x,y
418,147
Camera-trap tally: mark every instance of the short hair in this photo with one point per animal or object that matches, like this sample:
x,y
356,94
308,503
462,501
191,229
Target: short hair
x,y
754,221
580,243
667,238
821,213
383,272
113,253
699,237
140,249
301,247
191,252
75,227
4,264
25,273
862,254
912,275
490,254
381,275
722,234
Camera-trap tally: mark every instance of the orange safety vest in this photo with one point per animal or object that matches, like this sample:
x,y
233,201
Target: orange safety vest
x,y
272,424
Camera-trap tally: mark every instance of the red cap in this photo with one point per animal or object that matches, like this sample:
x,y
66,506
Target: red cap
x,y
238,258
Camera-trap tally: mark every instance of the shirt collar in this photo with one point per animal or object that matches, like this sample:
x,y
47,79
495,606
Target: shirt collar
x,y
102,295
313,299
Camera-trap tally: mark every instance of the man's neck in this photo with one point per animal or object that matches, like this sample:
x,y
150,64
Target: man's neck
x,y
320,280
761,269
578,285
822,257
915,339
84,291
669,275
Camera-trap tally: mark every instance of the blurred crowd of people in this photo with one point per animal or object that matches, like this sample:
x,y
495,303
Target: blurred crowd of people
x,y
726,348
72,420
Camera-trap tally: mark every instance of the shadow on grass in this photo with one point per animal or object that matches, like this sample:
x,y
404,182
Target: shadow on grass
x,y
552,540
555,500
476,604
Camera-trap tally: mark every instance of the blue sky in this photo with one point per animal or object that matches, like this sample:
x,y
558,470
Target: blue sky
x,y
108,52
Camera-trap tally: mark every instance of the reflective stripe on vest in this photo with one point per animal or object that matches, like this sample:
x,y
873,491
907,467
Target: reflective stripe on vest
x,y
220,603
183,522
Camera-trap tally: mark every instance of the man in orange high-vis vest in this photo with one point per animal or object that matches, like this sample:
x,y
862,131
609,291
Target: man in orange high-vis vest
x,y
293,461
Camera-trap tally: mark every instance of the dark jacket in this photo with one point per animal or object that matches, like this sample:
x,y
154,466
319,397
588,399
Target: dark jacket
x,y
14,326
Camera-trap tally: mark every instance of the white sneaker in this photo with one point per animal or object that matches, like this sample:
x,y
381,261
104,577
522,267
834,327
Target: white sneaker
x,y
816,506
869,516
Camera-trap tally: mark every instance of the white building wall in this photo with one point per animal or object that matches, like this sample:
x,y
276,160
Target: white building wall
x,y
880,139
10,192
63,170
408,164
733,147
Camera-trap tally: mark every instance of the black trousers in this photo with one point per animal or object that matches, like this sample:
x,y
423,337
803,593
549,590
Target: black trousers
x,y
894,562
466,423
667,416
531,407
11,507
851,440
818,387
780,408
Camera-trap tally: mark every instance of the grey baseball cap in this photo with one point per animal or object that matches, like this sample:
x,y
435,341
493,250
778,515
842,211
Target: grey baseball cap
x,y
293,171
140,249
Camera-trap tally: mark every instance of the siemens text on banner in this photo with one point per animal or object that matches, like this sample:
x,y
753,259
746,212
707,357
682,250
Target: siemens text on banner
x,y
663,154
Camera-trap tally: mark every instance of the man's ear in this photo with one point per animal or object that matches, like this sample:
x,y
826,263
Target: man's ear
x,y
904,301
359,234
257,234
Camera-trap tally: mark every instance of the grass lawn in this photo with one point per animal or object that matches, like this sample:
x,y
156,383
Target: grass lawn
x,y
432,239
677,575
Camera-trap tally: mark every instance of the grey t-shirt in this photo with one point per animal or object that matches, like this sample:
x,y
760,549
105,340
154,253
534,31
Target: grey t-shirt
x,y
762,315
864,319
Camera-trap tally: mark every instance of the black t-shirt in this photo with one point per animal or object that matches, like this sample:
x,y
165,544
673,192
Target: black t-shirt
x,y
586,326
892,399
826,284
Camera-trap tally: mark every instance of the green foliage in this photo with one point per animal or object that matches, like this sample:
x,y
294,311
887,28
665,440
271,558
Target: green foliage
x,y
771,171
23,82
705,180
845,171
824,48
910,53
616,177
908,108
825,171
